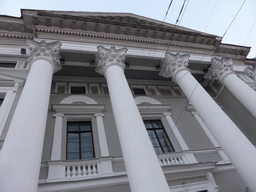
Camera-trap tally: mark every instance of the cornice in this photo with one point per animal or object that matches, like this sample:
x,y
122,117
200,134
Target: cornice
x,y
108,36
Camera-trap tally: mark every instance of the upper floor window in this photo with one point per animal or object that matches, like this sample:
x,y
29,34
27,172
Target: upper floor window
x,y
139,91
79,140
78,90
158,136
1,101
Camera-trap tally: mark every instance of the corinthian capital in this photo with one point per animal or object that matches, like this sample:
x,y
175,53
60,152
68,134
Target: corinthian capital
x,y
250,73
109,57
220,68
43,50
173,64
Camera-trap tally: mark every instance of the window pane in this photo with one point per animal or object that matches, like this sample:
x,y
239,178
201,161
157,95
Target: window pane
x,y
73,127
73,147
157,124
1,102
73,138
86,146
72,156
148,124
105,89
79,90
86,137
86,126
94,90
139,91
153,138
87,155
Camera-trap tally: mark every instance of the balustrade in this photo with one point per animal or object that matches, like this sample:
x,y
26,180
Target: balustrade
x,y
81,169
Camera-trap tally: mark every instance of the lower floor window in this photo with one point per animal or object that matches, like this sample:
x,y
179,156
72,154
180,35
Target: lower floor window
x,y
79,140
158,136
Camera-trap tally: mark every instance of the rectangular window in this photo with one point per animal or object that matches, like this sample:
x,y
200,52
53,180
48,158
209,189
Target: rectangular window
x,y
78,90
1,101
158,136
138,91
164,90
79,140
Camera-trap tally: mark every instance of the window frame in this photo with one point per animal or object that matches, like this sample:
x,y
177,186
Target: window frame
x,y
60,84
80,145
78,85
139,87
157,137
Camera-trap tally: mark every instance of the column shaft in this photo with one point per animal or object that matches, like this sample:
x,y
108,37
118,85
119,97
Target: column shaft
x,y
242,154
245,94
142,166
22,149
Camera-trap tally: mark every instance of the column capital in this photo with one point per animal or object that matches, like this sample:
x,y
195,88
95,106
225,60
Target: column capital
x,y
220,68
58,115
172,64
250,73
46,51
167,114
98,114
109,57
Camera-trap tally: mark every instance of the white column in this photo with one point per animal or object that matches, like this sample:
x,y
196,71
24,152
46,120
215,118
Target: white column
x,y
102,135
222,69
237,147
142,166
20,158
56,145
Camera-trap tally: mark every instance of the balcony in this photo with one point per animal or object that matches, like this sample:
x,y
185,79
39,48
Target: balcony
x,y
59,171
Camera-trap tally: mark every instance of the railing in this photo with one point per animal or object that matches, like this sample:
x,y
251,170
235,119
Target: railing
x,y
181,158
81,169
61,170
169,160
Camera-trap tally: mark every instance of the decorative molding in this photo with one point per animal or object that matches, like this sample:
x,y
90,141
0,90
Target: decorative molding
x,y
220,68
109,57
172,64
49,51
17,36
67,109
145,99
250,73
78,99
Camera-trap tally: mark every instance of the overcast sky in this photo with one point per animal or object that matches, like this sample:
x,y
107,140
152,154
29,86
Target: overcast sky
x,y
210,16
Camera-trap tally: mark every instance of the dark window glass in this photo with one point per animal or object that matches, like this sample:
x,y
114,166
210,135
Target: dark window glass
x,y
94,90
1,102
158,136
79,140
139,91
78,90
105,90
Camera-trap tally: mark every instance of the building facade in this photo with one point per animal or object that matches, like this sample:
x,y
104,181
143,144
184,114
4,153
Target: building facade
x,y
108,102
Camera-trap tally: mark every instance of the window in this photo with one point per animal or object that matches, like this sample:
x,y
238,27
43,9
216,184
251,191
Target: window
x,y
158,136
139,91
78,90
1,101
79,140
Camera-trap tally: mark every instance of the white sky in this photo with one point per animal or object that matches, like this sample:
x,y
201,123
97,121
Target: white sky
x,y
199,14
